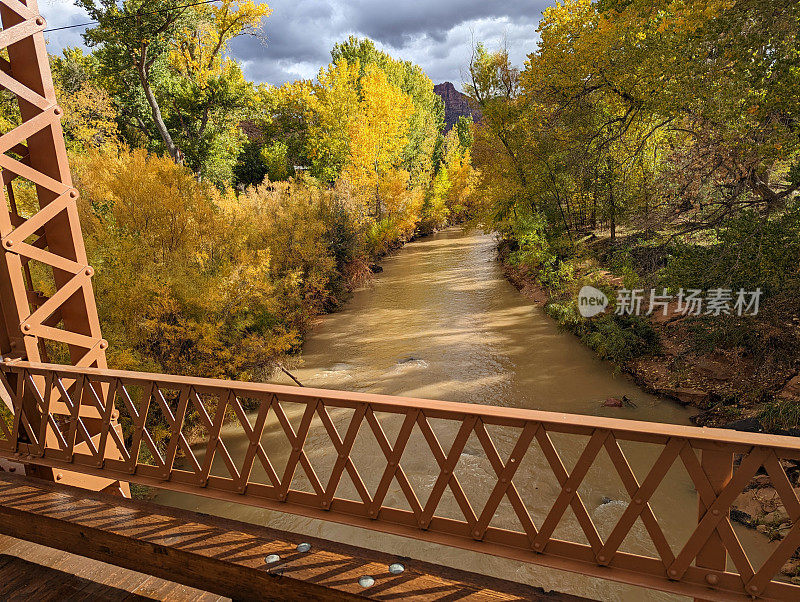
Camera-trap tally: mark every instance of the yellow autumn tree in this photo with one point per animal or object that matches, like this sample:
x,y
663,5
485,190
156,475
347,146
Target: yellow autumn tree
x,y
461,176
89,119
378,135
449,196
332,111
210,95
200,52
186,286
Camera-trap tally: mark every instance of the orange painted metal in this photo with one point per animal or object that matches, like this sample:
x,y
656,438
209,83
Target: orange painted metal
x,y
718,465
51,236
33,158
144,401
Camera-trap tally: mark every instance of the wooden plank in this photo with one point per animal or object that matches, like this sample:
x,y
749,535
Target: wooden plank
x,y
4,560
121,590
226,557
28,581
101,581
24,580
159,589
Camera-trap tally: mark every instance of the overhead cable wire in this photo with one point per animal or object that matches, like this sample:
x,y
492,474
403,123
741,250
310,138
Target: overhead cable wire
x,y
127,17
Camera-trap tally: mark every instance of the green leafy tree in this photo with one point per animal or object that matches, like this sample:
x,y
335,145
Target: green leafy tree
x,y
134,41
165,64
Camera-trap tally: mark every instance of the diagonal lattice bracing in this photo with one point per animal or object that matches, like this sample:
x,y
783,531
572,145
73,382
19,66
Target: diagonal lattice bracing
x,y
343,448
716,517
447,477
640,500
791,542
296,441
291,429
394,470
55,319
505,473
67,319
569,497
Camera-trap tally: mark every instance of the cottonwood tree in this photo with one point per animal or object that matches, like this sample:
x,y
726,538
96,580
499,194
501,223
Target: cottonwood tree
x,y
426,122
164,62
134,39
378,135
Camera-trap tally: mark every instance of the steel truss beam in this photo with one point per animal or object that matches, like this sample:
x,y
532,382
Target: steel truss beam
x,y
46,243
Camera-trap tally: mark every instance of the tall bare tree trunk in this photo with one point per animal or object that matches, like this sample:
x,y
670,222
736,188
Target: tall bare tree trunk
x,y
163,132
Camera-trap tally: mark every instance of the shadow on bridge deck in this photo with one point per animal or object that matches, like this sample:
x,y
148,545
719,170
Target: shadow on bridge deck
x,y
29,571
229,558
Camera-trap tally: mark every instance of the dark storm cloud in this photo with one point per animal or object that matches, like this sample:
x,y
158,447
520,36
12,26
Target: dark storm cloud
x,y
396,23
293,31
436,34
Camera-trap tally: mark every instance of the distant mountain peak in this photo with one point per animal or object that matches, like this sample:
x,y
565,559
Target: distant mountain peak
x,y
456,104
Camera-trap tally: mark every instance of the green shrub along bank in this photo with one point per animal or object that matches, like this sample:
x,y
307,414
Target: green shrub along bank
x,y
688,352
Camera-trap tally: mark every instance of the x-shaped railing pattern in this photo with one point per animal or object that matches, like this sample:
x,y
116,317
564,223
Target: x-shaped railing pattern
x,y
142,402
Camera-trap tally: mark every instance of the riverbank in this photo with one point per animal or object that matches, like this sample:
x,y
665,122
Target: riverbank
x,y
732,387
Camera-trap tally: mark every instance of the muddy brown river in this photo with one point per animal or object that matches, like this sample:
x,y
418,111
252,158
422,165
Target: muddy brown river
x,y
441,322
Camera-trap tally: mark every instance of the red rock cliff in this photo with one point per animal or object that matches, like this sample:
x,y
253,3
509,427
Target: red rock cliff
x,y
456,104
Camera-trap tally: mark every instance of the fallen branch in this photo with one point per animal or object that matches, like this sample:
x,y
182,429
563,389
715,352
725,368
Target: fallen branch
x,y
290,375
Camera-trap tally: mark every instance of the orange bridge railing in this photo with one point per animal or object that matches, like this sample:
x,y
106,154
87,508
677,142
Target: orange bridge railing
x,y
357,459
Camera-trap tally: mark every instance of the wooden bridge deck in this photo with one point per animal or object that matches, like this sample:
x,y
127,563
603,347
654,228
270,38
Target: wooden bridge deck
x,y
30,571
210,554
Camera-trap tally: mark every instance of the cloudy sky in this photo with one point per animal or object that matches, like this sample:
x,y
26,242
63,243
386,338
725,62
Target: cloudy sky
x,y
436,34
